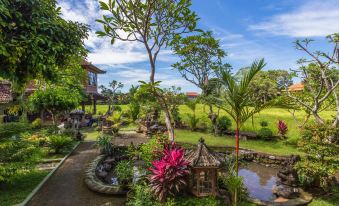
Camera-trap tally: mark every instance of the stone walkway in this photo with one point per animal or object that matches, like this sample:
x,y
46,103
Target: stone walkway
x,y
66,186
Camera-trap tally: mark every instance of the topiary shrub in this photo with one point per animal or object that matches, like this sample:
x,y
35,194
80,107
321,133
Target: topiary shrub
x,y
223,123
265,134
59,143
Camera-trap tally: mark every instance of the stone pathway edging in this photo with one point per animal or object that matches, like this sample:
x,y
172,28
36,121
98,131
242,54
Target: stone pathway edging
x,y
37,188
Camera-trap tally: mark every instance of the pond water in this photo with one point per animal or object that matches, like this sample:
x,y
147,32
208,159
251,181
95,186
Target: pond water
x,y
259,180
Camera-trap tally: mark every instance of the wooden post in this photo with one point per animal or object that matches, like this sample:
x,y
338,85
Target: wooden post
x,y
94,106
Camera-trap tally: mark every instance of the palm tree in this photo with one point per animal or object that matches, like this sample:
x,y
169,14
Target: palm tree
x,y
237,102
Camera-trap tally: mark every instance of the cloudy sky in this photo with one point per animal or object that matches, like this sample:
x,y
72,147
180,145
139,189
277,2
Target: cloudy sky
x,y
247,29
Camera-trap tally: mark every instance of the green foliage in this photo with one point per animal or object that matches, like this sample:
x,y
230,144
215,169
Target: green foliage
x,y
134,110
59,143
193,120
223,123
35,41
124,172
141,195
152,149
8,130
105,144
37,123
16,156
117,120
265,133
196,201
320,143
263,123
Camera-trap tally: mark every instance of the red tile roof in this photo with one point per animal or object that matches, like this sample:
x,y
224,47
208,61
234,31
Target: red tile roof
x,y
296,87
192,94
5,92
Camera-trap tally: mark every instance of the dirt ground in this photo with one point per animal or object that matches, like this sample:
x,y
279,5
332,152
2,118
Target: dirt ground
x,y
66,187
125,139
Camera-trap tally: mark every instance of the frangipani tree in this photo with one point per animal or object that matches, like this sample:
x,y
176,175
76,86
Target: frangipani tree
x,y
152,23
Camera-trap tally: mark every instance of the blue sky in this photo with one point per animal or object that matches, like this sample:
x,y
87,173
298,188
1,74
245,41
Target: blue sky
x,y
247,29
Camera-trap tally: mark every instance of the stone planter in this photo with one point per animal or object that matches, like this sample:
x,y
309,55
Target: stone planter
x,y
95,184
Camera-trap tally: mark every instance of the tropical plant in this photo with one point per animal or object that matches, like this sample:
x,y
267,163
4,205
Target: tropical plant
x,y
117,120
105,144
124,172
320,143
152,150
59,143
237,100
193,120
224,123
13,129
141,195
110,93
282,128
169,173
37,123
263,123
152,23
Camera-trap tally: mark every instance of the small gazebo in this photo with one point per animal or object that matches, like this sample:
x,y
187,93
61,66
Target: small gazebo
x,y
204,169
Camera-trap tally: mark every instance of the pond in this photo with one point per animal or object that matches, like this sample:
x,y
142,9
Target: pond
x,y
259,180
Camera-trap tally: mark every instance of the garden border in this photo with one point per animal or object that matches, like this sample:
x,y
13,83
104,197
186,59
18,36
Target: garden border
x,y
37,188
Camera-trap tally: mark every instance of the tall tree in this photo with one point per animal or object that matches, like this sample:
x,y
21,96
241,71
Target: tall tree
x,y
200,56
153,23
35,41
237,100
320,77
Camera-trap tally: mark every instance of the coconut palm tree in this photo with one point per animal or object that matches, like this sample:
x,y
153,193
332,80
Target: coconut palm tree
x,y
237,102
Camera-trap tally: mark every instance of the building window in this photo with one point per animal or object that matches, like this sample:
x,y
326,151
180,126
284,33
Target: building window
x,y
92,78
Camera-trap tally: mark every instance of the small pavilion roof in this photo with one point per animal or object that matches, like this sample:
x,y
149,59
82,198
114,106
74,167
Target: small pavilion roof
x,y
201,156
296,87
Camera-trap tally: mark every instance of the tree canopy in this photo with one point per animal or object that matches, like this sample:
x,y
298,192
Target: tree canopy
x,y
35,41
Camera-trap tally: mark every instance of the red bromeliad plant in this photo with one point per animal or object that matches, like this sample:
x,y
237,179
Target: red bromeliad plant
x,y
169,172
282,128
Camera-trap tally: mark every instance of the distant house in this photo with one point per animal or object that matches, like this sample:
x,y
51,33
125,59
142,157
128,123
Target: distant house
x,y
91,85
192,95
296,87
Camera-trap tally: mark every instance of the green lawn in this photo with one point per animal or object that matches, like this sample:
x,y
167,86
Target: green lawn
x,y
271,115
22,186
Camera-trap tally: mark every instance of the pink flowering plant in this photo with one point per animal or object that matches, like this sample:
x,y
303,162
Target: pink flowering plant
x,y
282,128
170,172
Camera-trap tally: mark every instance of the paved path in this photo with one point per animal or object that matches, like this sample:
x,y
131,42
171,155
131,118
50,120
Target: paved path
x,y
66,186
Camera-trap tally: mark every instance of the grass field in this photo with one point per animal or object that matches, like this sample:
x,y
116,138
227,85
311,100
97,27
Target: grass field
x,y
271,115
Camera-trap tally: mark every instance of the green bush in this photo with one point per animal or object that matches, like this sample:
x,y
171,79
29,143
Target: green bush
x,y
193,121
37,123
105,144
9,130
151,150
264,123
223,123
196,201
124,172
265,133
16,156
59,143
319,142
141,195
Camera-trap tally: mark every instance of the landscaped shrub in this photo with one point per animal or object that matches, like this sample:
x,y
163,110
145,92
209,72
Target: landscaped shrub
x,y
38,138
134,110
265,133
282,128
223,123
8,130
196,201
16,156
193,121
169,173
263,124
124,172
153,149
37,123
320,164
105,144
141,195
59,143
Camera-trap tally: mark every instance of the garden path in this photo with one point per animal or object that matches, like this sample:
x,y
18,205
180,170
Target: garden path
x,y
66,186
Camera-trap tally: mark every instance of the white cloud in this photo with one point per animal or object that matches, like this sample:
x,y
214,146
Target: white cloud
x,y
312,19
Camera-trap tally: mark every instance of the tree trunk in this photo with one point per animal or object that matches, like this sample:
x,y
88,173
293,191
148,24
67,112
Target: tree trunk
x,y
236,159
318,119
213,117
336,121
169,125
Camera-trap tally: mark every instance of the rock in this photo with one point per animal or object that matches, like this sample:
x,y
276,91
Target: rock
x,y
102,174
110,160
107,167
271,157
286,191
